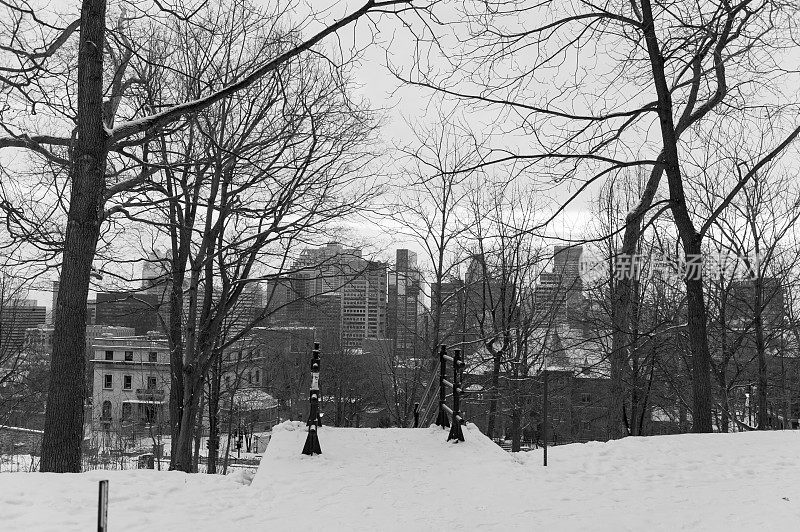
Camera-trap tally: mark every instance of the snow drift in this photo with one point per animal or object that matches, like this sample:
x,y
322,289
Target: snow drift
x,y
412,479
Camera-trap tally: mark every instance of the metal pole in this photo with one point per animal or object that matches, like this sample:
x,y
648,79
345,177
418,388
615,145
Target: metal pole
x,y
544,416
314,419
441,418
455,430
102,507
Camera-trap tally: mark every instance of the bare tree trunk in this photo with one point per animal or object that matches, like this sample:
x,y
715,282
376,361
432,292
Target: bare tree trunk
x,y
701,357
63,426
213,416
758,323
624,293
183,455
495,395
516,425
198,433
690,238
228,442
176,358
725,414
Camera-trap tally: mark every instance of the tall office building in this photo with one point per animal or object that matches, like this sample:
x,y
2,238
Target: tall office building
x,y
128,309
405,303
567,260
17,315
248,309
336,290
559,294
155,273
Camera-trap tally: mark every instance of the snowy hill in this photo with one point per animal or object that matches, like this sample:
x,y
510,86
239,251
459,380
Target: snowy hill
x,y
411,479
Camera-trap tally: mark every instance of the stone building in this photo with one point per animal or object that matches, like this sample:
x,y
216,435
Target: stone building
x,y
131,384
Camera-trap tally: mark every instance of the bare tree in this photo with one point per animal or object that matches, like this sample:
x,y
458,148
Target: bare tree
x,y
666,65
428,208
36,50
248,178
754,241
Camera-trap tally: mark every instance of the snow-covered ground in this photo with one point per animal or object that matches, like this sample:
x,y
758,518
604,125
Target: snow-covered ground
x,y
411,479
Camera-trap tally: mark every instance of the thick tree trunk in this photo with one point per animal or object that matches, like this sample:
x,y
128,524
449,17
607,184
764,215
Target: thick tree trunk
x,y
63,427
701,357
191,405
690,238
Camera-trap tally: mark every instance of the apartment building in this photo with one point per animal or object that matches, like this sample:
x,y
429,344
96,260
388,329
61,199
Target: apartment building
x,y
131,382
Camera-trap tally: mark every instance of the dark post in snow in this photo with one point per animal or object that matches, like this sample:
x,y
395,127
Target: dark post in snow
x,y
314,419
102,507
441,418
416,415
544,416
456,433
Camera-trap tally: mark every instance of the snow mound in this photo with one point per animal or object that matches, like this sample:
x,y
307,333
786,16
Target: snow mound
x,y
377,479
413,480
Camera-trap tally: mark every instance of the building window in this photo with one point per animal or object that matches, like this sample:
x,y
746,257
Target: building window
x,y
586,426
109,355
586,398
128,356
151,383
108,381
127,410
152,356
127,382
106,409
249,377
258,377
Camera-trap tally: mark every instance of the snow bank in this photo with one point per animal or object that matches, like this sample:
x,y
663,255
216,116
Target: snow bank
x,y
380,479
412,479
138,500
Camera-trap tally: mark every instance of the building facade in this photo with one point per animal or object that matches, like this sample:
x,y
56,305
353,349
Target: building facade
x,y
335,290
558,296
128,309
405,304
131,383
16,316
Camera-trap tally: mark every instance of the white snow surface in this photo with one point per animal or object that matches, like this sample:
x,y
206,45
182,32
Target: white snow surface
x,y
412,479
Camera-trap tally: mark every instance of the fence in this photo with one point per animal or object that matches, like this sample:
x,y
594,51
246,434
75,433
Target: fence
x,y
456,417
25,463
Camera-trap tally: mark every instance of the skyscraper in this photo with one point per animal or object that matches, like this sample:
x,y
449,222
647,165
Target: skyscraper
x,y
128,309
559,294
336,290
405,303
247,310
17,315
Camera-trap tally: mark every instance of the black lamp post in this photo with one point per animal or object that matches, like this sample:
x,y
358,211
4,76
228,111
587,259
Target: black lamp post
x,y
314,418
